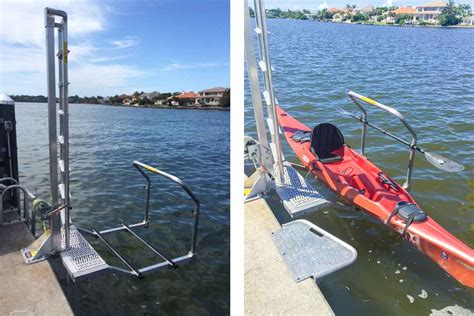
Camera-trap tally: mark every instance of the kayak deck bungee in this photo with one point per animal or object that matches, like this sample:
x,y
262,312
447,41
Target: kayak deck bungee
x,y
358,181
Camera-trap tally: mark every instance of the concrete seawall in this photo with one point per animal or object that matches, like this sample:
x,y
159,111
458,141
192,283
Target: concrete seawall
x,y
269,287
27,289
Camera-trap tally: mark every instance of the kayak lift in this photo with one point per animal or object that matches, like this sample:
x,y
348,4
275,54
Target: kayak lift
x,y
306,249
61,237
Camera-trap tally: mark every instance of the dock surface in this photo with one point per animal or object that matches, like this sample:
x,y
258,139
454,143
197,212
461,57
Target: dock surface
x,y
269,286
27,289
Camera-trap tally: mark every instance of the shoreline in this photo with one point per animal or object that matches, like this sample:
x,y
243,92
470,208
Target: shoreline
x,y
210,108
385,24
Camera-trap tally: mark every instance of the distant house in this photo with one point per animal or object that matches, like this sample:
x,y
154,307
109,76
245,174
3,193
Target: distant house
x,y
335,10
429,13
211,97
337,17
468,20
390,15
186,99
126,101
161,102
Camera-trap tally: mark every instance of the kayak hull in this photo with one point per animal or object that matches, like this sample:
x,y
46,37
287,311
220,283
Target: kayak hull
x,y
356,180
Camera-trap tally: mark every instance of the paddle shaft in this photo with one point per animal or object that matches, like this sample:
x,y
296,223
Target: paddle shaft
x,y
388,134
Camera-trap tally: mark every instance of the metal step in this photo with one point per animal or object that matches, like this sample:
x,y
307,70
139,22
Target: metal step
x,y
80,259
298,196
310,251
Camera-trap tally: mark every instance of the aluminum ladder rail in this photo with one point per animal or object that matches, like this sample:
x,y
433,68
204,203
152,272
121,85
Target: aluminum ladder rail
x,y
268,93
59,169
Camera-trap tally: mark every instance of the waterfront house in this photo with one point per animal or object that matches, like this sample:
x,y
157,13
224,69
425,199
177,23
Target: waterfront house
x,y
390,16
429,13
468,20
161,102
211,97
335,10
338,17
186,99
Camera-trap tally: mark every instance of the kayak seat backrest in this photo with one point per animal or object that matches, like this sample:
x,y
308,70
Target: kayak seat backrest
x,y
326,138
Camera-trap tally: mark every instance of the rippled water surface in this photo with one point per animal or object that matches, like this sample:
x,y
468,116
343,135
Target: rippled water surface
x,y
428,75
106,189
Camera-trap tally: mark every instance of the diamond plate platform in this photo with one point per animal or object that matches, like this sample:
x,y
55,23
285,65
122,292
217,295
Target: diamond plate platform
x,y
310,251
80,259
298,196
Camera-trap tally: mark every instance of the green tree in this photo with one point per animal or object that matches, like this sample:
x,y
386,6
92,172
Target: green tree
x,y
403,18
450,15
225,100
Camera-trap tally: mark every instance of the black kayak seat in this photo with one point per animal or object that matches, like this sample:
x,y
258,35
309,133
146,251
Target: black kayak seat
x,y
326,138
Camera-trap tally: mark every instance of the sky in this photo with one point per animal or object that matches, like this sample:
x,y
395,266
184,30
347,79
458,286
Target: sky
x,y
321,4
119,46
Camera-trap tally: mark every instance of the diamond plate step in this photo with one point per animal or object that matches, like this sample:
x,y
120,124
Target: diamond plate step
x,y
310,251
298,196
80,259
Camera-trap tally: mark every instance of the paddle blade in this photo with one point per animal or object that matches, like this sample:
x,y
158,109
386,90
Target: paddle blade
x,y
443,163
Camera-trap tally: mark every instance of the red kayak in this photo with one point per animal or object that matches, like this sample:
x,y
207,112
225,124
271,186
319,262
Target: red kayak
x,y
358,181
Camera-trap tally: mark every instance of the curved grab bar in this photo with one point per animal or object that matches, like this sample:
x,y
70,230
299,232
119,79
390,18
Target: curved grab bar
x,y
138,165
26,195
354,96
12,180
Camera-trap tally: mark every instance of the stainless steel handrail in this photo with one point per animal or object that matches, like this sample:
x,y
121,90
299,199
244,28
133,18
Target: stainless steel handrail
x,y
177,180
354,96
26,195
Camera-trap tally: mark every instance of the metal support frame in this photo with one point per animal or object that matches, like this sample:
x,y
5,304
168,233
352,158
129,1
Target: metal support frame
x,y
412,145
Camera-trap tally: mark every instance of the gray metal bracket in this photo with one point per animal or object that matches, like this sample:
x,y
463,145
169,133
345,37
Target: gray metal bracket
x,y
310,251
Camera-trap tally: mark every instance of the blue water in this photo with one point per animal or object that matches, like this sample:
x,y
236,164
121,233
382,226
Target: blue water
x,y
428,75
106,189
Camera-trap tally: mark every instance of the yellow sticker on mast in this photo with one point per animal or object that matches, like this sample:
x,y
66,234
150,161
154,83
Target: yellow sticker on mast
x,y
65,52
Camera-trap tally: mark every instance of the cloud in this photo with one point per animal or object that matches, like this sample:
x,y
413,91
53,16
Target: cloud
x,y
388,3
22,22
92,70
128,41
323,5
178,66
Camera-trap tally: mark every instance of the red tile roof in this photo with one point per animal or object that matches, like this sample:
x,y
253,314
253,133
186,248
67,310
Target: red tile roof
x,y
404,10
335,10
187,95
